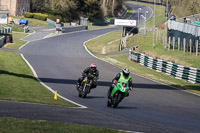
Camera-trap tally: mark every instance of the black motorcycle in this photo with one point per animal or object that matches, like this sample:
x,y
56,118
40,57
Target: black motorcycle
x,y
85,86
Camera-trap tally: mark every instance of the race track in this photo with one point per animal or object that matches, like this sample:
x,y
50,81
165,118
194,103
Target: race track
x,y
151,107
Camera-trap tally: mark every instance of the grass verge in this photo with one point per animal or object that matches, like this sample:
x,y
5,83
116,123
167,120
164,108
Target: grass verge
x,y
10,125
19,84
33,22
17,80
97,45
17,43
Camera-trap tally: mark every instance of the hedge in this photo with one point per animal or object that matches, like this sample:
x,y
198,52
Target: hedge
x,y
28,15
39,16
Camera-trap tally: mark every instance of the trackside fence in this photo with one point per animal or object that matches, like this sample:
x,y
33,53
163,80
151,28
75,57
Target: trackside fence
x,y
2,41
189,74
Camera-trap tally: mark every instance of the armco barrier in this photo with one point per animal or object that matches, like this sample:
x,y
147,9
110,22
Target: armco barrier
x,y
6,30
189,74
2,41
71,29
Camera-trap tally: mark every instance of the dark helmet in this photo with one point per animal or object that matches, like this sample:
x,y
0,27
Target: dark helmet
x,y
126,72
93,66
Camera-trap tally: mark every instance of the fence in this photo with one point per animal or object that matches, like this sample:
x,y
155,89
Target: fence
x,y
6,30
189,74
183,36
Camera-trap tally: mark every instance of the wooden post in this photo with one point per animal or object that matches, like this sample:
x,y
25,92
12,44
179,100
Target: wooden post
x,y
197,47
178,43
190,46
173,43
163,37
169,43
157,34
184,41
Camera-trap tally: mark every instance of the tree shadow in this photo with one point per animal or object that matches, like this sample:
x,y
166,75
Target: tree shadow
x,y
106,83
17,75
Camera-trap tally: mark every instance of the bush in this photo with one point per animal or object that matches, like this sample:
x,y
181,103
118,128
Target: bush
x,y
40,16
54,17
28,15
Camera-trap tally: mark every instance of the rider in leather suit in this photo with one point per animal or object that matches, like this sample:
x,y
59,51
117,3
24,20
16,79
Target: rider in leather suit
x,y
92,72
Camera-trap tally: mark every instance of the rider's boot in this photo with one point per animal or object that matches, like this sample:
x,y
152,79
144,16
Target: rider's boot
x,y
78,86
127,94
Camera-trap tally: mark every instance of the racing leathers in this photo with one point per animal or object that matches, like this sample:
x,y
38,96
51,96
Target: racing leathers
x,y
89,72
121,78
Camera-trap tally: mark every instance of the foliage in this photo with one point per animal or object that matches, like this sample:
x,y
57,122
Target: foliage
x,y
28,15
40,16
36,16
70,10
182,8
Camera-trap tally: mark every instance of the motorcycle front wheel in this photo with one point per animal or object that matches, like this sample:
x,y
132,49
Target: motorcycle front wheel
x,y
117,99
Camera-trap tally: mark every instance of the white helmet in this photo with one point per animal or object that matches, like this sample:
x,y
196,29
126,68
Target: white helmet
x,y
125,72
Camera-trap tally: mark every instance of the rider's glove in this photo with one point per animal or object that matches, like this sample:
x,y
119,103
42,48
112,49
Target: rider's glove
x,y
114,81
131,88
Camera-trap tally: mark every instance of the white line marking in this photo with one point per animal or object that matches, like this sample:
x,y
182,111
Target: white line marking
x,y
51,90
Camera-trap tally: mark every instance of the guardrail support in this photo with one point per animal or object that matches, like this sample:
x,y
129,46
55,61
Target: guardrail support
x,y
197,48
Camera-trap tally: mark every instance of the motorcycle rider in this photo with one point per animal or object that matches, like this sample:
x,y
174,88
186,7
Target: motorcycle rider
x,y
92,72
123,76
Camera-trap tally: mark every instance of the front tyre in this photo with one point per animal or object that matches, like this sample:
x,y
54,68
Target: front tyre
x,y
85,91
117,98
108,103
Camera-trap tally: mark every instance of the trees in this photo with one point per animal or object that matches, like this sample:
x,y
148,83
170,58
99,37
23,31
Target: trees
x,y
73,9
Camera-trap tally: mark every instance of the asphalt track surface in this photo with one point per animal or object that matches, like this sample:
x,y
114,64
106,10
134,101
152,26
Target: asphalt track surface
x,y
151,107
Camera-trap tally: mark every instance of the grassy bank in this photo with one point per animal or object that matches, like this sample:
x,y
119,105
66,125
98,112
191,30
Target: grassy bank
x,y
17,42
13,125
19,84
96,46
17,80
33,22
110,42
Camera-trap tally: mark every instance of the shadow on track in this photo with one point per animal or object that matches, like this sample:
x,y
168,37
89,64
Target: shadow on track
x,y
99,83
126,107
107,84
94,97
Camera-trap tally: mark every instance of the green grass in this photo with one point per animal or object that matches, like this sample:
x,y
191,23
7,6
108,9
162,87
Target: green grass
x,y
33,22
123,62
17,80
14,27
178,57
97,45
160,13
13,125
105,44
19,84
17,43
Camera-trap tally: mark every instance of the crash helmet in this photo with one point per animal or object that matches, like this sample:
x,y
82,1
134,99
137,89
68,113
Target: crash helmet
x,y
93,66
125,72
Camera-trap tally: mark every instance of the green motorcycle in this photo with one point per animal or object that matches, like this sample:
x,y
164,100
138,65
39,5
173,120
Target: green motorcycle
x,y
118,93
